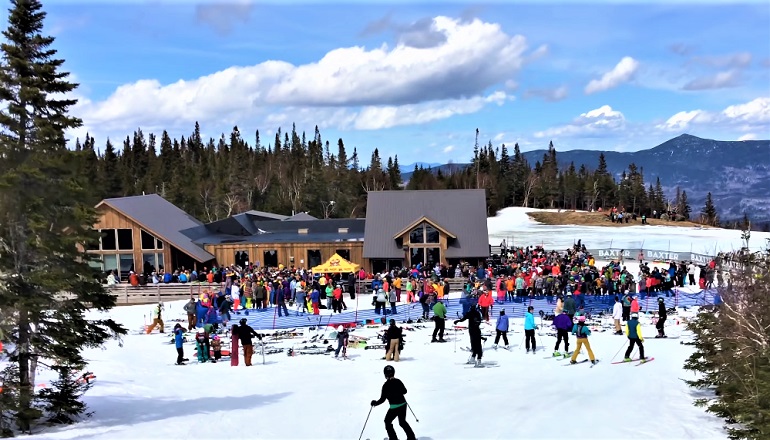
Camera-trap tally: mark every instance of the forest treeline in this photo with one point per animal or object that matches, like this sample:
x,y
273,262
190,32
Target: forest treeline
x,y
215,178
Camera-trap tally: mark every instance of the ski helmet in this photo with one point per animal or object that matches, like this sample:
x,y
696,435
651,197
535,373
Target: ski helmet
x,y
634,315
660,299
389,371
243,321
339,329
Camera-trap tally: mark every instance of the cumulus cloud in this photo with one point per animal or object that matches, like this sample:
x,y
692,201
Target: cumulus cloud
x,y
551,95
623,72
748,137
595,123
753,116
721,80
448,149
355,87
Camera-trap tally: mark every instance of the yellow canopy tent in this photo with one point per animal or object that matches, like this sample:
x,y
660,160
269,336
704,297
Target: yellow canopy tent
x,y
336,264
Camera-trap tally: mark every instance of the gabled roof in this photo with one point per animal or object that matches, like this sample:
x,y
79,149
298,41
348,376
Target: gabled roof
x,y
462,212
162,219
271,231
420,220
262,215
300,216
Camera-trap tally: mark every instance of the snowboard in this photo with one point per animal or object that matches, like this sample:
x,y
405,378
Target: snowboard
x,y
234,352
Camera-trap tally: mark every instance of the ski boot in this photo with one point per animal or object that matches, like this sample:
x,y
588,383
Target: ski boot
x,y
471,360
572,362
556,354
595,361
478,363
643,361
627,360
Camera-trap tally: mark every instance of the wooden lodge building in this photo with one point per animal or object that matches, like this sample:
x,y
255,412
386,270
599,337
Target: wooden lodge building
x,y
147,233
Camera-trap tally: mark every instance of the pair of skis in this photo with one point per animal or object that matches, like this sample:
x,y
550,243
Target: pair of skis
x,y
639,360
582,362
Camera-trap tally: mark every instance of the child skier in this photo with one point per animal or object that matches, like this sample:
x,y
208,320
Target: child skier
x,y
634,333
216,347
662,315
178,342
201,346
563,324
502,328
582,332
342,342
529,329
393,390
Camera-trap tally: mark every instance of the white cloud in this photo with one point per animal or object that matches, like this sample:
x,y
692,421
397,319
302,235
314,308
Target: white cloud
x,y
622,72
753,116
720,80
551,95
595,123
748,137
355,87
448,149
735,60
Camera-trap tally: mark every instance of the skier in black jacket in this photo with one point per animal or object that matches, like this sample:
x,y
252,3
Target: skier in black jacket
x,y
393,390
474,331
662,315
245,333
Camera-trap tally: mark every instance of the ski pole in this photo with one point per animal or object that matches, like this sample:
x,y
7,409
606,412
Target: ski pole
x,y
410,410
616,353
367,421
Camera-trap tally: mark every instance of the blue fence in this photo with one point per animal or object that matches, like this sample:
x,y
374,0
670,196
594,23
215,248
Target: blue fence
x,y
268,318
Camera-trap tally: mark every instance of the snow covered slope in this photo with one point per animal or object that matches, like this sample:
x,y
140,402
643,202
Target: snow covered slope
x,y
140,394
514,225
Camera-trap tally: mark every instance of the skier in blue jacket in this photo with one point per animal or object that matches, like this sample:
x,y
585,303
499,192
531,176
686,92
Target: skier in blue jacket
x,y
529,329
179,343
502,328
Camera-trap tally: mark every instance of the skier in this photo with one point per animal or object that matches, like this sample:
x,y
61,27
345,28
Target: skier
x,y
529,329
201,344
157,319
502,328
582,332
474,331
216,347
179,343
662,315
634,333
439,315
393,390
342,342
245,333
617,315
569,305
189,308
394,335
563,324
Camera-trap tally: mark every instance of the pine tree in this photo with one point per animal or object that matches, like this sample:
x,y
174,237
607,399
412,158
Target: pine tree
x,y
45,214
709,212
683,209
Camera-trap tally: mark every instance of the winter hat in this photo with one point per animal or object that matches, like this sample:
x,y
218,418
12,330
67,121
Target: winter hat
x,y
215,337
635,315
339,328
569,293
581,318
660,299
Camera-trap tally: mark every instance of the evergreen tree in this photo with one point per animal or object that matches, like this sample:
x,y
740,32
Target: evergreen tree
x,y
46,216
709,214
683,209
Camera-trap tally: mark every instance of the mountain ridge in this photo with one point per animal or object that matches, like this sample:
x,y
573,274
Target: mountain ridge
x,y
737,173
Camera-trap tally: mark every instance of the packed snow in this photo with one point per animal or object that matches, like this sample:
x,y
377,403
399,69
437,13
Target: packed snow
x,y
515,226
139,393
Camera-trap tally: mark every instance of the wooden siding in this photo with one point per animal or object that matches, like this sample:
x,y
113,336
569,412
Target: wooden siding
x,y
225,253
112,219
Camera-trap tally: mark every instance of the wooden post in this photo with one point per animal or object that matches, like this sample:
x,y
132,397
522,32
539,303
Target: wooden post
x,y
125,293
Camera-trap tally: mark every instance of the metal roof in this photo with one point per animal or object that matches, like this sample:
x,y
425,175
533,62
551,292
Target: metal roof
x,y
162,218
262,215
271,231
300,216
462,212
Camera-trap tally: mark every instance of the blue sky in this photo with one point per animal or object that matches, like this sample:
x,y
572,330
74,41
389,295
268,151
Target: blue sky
x,y
417,80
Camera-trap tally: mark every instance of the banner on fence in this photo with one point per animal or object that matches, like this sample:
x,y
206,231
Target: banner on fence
x,y
649,255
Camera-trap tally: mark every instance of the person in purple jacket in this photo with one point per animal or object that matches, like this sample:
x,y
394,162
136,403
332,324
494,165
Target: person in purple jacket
x,y
563,324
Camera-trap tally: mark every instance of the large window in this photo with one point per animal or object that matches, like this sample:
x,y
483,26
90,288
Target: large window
x,y
314,258
423,233
241,258
150,242
270,258
115,240
344,253
416,256
152,262
126,265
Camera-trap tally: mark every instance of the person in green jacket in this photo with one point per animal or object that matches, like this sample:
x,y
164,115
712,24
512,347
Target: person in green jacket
x,y
439,315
